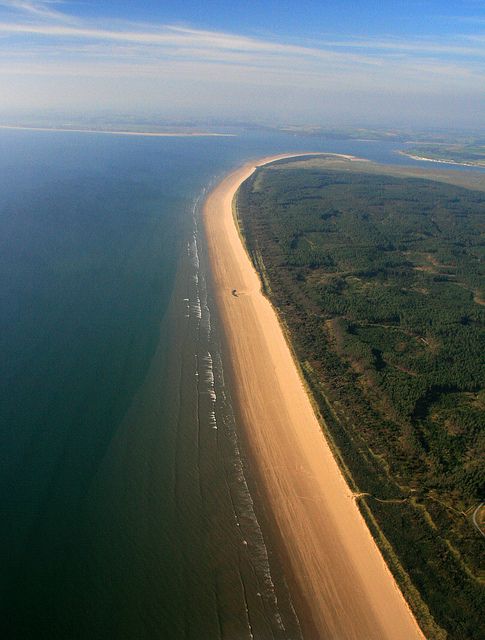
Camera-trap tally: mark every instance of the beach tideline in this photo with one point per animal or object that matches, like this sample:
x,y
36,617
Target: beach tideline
x,y
344,588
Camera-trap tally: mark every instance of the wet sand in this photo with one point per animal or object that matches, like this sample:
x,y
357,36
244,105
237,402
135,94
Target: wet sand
x,y
347,588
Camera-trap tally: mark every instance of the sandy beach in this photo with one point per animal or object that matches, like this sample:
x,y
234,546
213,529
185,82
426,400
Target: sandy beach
x,y
344,588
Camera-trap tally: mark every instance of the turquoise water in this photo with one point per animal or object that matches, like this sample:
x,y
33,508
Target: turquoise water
x,y
129,509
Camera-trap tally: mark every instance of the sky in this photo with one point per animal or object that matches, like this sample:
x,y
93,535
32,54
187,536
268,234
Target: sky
x,y
320,62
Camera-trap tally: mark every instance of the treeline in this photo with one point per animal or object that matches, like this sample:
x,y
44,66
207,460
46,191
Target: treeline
x,y
380,281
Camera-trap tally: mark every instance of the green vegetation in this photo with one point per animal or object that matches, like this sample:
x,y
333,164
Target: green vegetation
x,y
469,154
379,280
347,133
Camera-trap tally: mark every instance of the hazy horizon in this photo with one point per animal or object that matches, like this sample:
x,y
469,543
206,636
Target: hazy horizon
x,y
408,64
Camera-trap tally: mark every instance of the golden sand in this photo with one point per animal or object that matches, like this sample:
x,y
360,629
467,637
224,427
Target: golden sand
x,y
348,590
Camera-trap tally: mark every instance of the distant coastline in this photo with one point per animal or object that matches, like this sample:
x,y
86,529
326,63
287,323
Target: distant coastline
x,y
442,161
151,134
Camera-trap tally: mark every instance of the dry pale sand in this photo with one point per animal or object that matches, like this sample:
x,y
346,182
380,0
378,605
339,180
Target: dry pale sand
x,y
347,587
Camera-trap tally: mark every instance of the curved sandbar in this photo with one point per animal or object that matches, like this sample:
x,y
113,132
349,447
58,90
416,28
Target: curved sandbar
x,y
348,590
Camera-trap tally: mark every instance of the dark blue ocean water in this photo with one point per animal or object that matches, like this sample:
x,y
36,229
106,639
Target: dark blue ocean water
x,y
128,507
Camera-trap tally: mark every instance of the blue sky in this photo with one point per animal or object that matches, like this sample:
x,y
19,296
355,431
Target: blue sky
x,y
341,62
302,18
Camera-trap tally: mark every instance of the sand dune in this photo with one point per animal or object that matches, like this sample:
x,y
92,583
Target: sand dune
x,y
346,590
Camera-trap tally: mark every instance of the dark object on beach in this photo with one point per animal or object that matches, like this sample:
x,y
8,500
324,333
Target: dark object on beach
x,y
234,293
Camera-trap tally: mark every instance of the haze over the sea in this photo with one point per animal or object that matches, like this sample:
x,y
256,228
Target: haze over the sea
x,y
394,63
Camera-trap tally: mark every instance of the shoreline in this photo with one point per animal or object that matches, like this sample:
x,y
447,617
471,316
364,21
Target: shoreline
x,y
452,162
348,590
148,134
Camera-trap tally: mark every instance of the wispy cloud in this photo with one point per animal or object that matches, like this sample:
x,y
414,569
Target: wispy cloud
x,y
460,46
38,39
208,43
40,9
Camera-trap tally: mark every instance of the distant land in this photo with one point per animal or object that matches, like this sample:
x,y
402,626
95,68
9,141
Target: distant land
x,y
452,147
467,154
460,148
387,133
156,134
377,275
367,134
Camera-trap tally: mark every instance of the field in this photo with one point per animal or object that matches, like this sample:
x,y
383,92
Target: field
x,y
378,277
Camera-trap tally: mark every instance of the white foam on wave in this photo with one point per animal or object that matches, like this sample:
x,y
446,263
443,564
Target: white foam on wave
x,y
197,308
245,515
209,389
215,404
193,251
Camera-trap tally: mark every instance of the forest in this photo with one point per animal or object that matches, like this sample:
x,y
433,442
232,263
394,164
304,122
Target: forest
x,y
379,282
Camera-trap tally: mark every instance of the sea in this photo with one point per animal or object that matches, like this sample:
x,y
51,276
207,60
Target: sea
x,y
129,507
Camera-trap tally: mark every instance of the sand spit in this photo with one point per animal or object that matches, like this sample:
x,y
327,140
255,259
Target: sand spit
x,y
476,165
148,134
347,589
